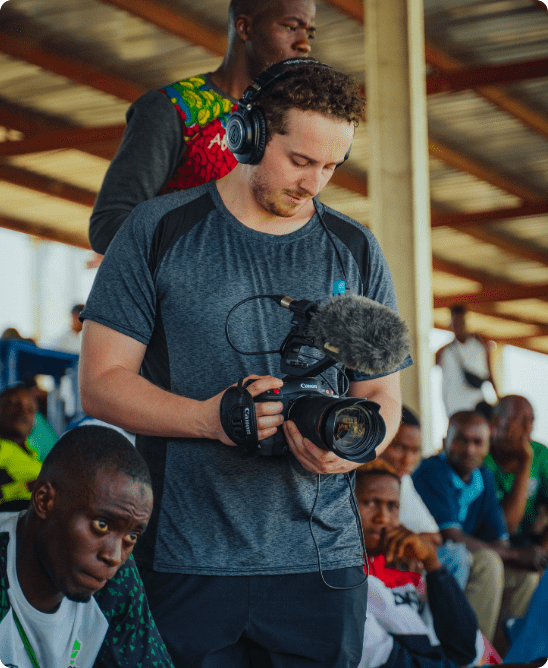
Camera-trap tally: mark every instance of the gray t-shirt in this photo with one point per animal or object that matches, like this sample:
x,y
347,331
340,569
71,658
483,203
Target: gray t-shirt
x,y
171,275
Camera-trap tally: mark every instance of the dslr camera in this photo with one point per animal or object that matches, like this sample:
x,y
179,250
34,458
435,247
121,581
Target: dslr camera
x,y
350,427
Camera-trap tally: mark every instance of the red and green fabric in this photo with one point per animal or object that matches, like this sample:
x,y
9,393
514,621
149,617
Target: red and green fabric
x,y
203,113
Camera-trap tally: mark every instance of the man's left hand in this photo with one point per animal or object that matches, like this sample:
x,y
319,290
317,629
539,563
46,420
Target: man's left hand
x,y
311,457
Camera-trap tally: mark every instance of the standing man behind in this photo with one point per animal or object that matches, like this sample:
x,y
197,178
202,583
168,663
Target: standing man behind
x,y
520,467
465,365
175,136
71,340
230,566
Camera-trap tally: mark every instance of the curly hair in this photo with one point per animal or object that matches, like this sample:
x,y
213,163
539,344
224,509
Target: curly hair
x,y
311,86
375,467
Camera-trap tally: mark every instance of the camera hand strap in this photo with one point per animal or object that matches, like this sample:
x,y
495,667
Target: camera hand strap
x,y
238,417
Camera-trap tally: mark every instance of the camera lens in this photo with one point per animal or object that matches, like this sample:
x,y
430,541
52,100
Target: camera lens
x,y
351,428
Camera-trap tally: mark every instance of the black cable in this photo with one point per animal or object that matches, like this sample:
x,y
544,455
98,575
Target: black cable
x,y
322,221
354,504
240,303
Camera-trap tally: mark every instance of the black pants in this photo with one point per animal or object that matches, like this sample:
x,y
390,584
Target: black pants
x,y
278,621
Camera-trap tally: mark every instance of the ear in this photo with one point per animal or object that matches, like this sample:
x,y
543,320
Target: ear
x,y
242,26
43,498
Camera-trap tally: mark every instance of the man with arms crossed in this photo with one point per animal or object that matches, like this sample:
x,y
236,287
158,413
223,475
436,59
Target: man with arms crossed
x,y
230,567
175,136
69,596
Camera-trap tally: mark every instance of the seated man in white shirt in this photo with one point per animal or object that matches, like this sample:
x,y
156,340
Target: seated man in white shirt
x,y
69,593
404,455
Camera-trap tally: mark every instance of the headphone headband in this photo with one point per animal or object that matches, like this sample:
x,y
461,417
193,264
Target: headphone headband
x,y
270,75
246,128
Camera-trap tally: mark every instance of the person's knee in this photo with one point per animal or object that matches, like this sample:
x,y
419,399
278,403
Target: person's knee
x,y
488,567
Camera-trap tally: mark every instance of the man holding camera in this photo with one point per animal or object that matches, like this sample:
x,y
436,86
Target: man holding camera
x,y
230,565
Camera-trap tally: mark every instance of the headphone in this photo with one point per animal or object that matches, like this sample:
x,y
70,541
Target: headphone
x,y
246,126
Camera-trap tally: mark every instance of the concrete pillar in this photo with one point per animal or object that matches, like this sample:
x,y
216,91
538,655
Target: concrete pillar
x,y
496,357
399,177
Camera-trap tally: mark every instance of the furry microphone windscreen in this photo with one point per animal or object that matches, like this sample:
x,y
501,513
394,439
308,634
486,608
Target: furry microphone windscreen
x,y
360,333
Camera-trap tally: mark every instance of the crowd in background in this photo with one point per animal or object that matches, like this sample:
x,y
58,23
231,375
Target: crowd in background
x,y
470,523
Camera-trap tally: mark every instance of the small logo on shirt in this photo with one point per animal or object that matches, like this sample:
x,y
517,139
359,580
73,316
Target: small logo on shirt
x,y
74,653
220,141
339,288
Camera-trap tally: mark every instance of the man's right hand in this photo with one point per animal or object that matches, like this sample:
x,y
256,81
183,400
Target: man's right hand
x,y
268,413
401,546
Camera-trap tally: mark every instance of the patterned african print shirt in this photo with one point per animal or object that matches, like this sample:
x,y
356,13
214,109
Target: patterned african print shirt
x,y
114,629
203,113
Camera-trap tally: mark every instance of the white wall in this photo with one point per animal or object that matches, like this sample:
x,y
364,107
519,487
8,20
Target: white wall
x,y
39,283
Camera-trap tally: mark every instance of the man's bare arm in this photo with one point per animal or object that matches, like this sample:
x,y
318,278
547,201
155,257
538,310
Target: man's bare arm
x,y
112,390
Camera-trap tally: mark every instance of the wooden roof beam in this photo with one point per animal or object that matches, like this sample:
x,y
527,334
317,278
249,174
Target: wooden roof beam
x,y
31,123
352,8
343,178
177,23
523,249
46,185
488,75
486,280
441,61
482,172
471,274
537,122
45,232
27,48
65,138
495,293
463,219
491,311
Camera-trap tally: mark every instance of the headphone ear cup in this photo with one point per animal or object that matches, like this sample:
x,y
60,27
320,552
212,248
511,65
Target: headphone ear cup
x,y
238,135
257,121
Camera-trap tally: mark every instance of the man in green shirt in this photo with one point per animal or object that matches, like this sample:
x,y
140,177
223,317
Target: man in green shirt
x,y
19,463
520,467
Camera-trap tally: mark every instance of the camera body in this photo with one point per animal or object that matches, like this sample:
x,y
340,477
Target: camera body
x,y
349,427
294,388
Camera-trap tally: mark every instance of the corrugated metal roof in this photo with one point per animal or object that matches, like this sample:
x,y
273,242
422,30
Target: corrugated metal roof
x,y
473,32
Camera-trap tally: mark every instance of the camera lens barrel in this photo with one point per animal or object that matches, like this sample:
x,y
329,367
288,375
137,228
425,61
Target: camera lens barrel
x,y
351,428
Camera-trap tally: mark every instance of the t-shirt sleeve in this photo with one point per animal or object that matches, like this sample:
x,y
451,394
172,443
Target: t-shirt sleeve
x,y
380,288
123,296
433,485
493,525
150,150
132,638
414,515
